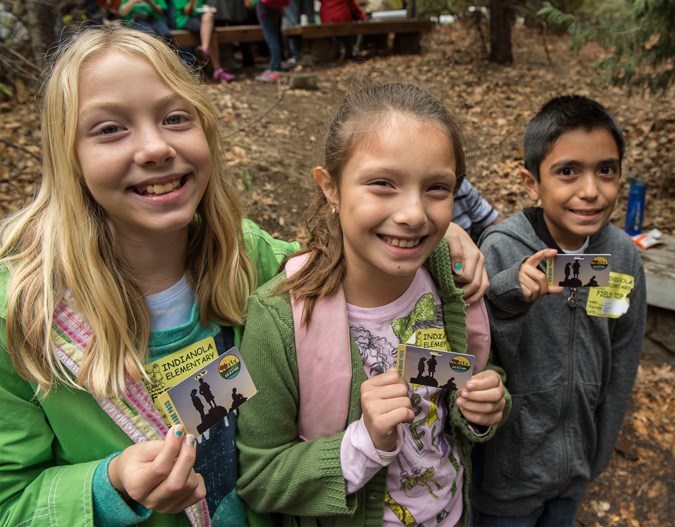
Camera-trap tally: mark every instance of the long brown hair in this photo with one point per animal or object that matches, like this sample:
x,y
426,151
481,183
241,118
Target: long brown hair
x,y
366,108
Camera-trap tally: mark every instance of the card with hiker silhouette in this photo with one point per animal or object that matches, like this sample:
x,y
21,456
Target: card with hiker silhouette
x,y
208,394
578,270
166,372
430,367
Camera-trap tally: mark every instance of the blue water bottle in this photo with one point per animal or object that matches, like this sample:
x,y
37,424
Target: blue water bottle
x,y
636,205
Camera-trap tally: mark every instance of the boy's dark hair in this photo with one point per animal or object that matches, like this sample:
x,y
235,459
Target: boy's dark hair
x,y
565,114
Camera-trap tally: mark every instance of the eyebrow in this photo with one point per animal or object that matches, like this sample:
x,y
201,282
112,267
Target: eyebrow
x,y
121,106
576,162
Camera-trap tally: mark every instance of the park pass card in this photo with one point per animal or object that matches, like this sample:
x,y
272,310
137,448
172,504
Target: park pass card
x,y
440,369
208,394
578,270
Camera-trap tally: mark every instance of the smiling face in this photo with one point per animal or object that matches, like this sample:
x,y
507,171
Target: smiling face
x,y
141,148
395,204
578,187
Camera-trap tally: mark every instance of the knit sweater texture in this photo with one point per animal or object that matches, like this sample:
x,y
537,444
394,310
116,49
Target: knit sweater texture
x,y
301,482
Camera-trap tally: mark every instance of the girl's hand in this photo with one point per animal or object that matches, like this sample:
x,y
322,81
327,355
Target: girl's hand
x,y
532,280
159,474
468,264
385,404
482,399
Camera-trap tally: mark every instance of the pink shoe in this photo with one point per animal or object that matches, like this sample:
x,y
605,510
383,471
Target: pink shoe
x,y
221,75
270,76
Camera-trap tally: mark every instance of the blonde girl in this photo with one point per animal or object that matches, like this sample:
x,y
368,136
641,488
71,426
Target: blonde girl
x,y
335,436
132,249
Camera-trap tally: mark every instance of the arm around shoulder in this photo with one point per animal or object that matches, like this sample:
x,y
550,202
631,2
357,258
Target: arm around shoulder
x,y
265,252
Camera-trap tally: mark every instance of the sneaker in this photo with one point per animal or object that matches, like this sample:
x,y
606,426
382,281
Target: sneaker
x,y
221,75
269,76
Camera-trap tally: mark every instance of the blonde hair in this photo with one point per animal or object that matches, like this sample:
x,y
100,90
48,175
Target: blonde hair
x,y
368,107
62,242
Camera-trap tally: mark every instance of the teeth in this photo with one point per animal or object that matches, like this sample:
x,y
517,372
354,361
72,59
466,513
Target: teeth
x,y
160,189
405,244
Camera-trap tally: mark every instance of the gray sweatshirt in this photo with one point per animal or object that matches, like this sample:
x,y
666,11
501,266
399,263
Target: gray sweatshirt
x,y
570,374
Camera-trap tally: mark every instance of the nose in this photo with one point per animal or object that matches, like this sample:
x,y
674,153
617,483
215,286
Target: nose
x,y
411,212
152,147
589,187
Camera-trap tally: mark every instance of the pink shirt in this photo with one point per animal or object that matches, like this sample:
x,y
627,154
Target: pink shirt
x,y
425,477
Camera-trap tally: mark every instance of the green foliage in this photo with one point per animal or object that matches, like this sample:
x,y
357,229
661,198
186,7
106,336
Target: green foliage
x,y
6,90
245,180
637,33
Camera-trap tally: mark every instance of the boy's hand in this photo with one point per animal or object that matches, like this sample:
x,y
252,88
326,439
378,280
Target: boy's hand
x,y
482,399
159,474
385,404
532,280
468,264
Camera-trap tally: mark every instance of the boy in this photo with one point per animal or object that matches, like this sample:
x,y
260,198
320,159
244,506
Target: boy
x,y
570,358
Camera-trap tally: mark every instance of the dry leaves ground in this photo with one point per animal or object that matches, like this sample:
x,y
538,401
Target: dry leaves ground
x,y
271,142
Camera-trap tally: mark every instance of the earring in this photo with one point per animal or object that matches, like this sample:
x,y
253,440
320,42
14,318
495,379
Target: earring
x,y
334,214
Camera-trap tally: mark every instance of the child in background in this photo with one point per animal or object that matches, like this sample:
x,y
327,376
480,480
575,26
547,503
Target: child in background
x,y
148,16
334,434
571,358
269,17
132,249
194,17
471,211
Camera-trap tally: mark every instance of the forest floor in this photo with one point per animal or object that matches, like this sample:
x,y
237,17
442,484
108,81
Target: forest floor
x,y
272,137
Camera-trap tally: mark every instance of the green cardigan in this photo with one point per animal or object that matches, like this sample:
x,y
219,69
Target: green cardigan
x,y
50,448
299,480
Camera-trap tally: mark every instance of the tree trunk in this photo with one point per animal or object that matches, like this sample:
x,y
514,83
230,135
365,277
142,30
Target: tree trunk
x,y
411,9
500,32
40,20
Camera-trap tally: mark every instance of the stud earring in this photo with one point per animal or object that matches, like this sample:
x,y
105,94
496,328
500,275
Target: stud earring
x,y
334,214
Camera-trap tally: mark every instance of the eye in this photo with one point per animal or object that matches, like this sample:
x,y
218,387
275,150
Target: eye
x,y
380,183
107,129
177,118
608,171
439,192
566,171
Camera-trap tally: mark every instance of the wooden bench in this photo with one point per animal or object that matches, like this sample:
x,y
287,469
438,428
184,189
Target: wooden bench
x,y
659,263
317,39
226,35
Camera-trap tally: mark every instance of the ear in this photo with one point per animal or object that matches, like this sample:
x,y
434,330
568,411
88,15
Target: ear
x,y
327,184
530,183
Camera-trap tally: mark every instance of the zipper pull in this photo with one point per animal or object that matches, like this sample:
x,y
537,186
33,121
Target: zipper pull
x,y
573,300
